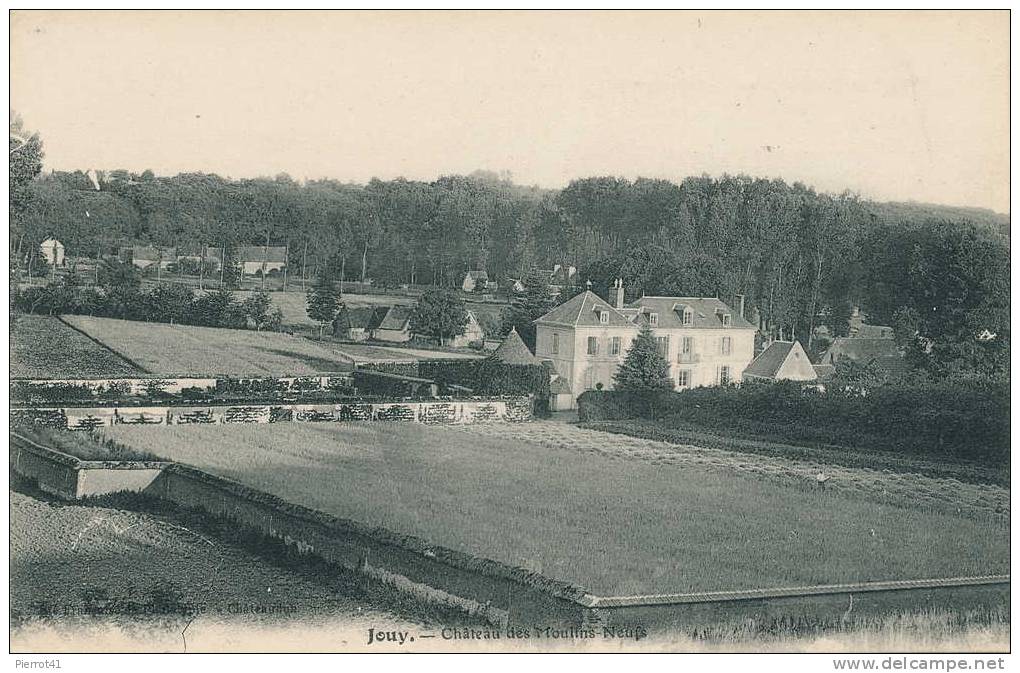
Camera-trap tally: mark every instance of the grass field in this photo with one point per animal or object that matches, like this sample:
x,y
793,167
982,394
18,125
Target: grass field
x,y
176,350
42,347
593,512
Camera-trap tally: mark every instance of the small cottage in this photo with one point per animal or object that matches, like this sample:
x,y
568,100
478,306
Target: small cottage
x,y
354,323
53,251
391,323
473,333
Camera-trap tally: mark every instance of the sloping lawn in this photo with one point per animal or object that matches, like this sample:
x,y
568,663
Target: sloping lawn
x,y
178,350
615,526
42,347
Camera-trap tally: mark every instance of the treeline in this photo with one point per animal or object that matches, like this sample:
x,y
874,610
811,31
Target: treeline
x,y
168,303
800,258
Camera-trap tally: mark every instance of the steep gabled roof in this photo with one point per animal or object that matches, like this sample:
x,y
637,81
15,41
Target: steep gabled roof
x,y
392,317
706,313
513,351
355,317
583,310
782,360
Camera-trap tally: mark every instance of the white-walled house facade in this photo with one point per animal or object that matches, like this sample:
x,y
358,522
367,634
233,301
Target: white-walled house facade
x,y
704,340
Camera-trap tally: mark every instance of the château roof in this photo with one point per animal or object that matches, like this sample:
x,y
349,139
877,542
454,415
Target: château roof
x,y
584,310
706,313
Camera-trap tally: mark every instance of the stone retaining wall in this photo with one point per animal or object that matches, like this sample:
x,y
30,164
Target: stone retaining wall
x,y
71,478
508,410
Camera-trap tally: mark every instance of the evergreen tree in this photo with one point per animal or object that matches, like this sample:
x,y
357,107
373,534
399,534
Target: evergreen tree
x,y
527,306
644,368
323,301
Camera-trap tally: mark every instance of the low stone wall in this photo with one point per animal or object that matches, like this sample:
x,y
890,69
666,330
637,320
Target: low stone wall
x,y
61,390
499,593
55,473
814,606
71,478
509,410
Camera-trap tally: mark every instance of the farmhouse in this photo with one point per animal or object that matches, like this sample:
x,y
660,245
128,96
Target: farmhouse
x,y
255,260
391,323
562,276
781,361
476,280
53,251
147,256
559,277
704,341
209,256
883,353
354,323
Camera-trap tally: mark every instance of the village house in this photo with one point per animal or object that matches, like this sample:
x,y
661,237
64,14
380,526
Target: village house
x,y
586,338
473,333
53,251
473,280
146,256
254,260
391,323
559,276
781,361
201,254
354,323
881,352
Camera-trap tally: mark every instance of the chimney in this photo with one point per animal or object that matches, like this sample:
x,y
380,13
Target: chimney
x,y
740,301
618,284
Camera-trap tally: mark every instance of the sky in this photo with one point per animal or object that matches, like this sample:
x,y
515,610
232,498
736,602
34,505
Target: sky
x,y
891,105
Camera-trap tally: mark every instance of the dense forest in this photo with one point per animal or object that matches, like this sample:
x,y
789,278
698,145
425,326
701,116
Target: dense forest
x,y
800,258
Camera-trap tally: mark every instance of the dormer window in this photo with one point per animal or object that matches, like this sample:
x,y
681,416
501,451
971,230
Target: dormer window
x,y
604,317
653,319
688,316
726,319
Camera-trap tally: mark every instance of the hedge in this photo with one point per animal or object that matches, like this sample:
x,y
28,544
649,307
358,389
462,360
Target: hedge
x,y
483,377
953,419
371,382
